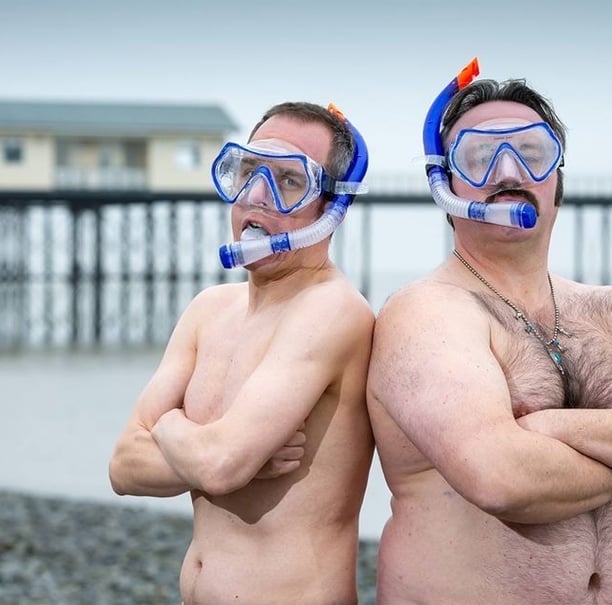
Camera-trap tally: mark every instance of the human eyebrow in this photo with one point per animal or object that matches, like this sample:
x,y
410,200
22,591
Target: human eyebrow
x,y
286,173
247,163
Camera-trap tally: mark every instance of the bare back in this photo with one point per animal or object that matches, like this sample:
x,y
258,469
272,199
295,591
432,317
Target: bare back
x,y
439,548
292,539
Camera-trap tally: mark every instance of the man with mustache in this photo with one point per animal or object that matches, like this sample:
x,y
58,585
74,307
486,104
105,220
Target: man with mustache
x,y
258,406
490,386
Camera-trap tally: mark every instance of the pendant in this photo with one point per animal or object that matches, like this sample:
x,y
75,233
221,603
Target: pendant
x,y
555,343
558,361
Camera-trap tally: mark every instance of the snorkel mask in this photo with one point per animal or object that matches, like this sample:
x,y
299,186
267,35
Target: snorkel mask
x,y
524,152
511,214
292,181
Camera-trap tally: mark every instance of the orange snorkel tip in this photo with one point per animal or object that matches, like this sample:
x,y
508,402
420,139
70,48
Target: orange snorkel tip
x,y
468,73
333,109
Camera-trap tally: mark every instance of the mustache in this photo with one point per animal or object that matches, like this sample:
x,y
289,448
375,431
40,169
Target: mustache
x,y
518,193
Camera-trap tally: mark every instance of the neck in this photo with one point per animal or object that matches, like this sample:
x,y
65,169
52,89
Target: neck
x,y
523,277
552,344
271,285
508,248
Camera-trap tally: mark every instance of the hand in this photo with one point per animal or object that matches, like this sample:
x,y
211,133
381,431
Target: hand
x,y
540,421
167,423
286,459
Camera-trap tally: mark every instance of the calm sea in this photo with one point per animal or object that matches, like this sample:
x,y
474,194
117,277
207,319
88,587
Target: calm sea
x,y
62,413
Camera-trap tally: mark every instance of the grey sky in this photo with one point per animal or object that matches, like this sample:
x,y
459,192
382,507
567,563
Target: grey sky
x,y
382,64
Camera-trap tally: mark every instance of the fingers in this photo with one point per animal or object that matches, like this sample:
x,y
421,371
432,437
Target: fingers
x,y
298,438
288,457
289,453
286,466
275,468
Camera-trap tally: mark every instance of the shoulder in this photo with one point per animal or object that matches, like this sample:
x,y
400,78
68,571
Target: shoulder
x,y
210,302
584,301
432,298
434,320
219,295
580,292
330,315
334,299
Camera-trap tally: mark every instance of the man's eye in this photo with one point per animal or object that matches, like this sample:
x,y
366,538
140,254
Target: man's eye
x,y
531,155
246,168
289,181
479,158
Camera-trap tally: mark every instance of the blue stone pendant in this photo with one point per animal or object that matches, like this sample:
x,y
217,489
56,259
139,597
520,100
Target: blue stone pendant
x,y
558,360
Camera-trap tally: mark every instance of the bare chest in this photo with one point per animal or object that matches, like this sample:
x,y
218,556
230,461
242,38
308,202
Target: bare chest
x,y
585,352
228,354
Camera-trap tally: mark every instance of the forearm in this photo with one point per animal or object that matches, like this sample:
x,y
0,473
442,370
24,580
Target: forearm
x,y
588,431
139,468
548,498
203,457
190,450
535,479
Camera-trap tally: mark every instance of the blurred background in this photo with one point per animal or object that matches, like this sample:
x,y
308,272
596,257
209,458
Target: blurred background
x,y
110,116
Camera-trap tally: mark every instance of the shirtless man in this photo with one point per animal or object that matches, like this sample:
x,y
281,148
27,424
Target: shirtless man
x,y
258,406
490,388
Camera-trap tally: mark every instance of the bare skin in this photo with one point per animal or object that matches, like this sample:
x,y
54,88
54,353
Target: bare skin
x,y
501,493
258,409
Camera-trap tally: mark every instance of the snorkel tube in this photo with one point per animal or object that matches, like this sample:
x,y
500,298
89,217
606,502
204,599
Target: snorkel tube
x,y
511,214
245,252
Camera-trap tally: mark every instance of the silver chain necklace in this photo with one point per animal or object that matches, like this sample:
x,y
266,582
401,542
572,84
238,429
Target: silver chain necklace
x,y
553,346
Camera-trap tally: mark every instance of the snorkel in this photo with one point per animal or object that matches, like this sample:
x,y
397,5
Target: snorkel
x,y
245,252
511,214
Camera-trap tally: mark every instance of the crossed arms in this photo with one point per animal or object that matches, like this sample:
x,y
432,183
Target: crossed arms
x,y
163,452
434,372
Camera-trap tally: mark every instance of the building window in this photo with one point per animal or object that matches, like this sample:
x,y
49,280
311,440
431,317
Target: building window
x,y
12,151
110,155
187,155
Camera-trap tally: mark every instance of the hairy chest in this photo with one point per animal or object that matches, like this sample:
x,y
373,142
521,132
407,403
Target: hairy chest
x,y
585,352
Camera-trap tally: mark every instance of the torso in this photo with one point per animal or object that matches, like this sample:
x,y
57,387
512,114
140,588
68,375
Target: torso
x,y
438,549
293,539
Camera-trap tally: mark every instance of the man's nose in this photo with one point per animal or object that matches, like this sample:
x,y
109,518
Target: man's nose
x,y
259,193
506,170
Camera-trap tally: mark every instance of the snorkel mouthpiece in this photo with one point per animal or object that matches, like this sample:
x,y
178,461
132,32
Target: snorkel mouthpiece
x,y
510,214
245,252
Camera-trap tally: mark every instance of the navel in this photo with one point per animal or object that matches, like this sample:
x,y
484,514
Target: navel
x,y
595,582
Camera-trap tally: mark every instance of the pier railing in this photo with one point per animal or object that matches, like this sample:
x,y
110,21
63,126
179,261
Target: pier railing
x,y
83,268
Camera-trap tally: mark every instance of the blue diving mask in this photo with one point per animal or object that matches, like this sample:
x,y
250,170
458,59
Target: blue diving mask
x,y
265,158
267,173
512,214
505,153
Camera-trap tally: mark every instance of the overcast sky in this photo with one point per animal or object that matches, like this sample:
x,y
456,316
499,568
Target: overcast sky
x,y
382,63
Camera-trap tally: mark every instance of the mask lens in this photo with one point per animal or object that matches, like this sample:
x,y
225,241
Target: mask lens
x,y
293,179
475,153
226,169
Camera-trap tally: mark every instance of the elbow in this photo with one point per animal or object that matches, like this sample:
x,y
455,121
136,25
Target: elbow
x,y
222,474
496,493
500,501
115,478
